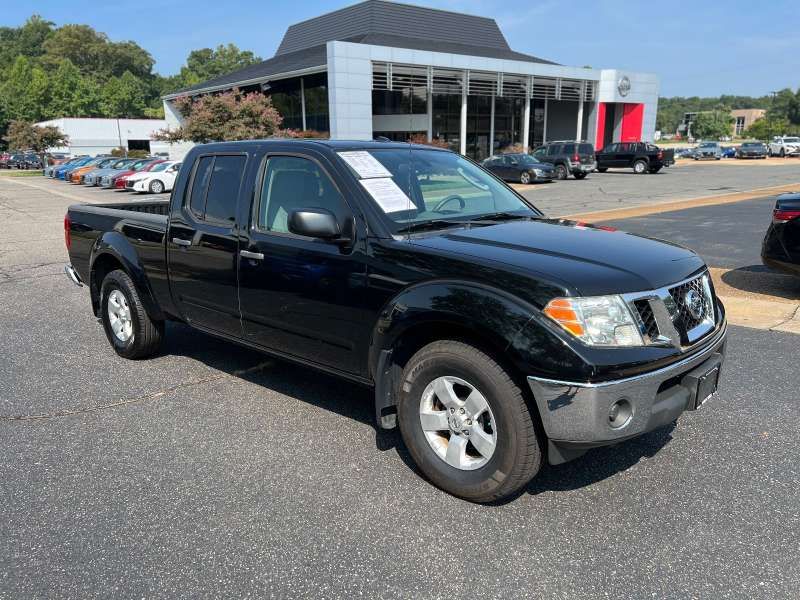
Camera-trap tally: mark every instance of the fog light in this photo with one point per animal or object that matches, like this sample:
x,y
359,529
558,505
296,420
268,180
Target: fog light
x,y
620,414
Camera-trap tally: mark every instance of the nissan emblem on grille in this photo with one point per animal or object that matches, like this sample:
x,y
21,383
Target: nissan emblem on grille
x,y
694,304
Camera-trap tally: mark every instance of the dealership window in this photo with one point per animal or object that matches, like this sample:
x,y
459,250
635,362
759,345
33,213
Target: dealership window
x,y
739,125
479,117
408,101
285,94
139,145
447,119
507,122
316,94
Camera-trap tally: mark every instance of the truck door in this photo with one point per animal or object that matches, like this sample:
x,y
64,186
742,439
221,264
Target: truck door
x,y
302,296
202,244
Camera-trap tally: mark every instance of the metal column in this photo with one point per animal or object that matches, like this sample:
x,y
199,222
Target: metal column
x,y
303,102
491,129
463,132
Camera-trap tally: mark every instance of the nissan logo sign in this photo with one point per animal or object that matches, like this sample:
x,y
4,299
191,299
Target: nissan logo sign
x,y
624,86
694,304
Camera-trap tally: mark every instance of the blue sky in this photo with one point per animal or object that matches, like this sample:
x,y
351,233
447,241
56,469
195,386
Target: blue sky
x,y
704,47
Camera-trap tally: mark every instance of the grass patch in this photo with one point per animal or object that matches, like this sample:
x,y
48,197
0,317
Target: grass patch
x,y
18,173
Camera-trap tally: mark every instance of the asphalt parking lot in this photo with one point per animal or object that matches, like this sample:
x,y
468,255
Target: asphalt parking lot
x,y
214,471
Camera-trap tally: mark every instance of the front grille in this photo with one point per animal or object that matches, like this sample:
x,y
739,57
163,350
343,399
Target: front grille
x,y
650,326
685,314
129,184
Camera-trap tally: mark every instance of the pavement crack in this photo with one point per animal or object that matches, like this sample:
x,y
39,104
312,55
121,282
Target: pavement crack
x,y
136,399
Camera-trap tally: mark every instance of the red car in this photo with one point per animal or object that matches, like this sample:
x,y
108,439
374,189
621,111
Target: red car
x,y
138,167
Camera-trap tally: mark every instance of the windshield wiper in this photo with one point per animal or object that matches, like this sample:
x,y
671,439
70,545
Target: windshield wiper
x,y
430,225
503,216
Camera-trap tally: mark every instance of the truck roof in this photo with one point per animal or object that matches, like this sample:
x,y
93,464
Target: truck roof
x,y
336,145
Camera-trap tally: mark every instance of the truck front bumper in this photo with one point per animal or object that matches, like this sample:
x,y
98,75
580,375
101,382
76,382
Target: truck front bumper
x,y
579,416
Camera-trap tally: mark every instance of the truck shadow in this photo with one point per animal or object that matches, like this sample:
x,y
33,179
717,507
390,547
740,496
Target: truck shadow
x,y
307,385
354,401
762,280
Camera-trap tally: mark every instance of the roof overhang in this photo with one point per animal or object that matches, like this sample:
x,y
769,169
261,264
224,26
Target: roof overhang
x,y
247,82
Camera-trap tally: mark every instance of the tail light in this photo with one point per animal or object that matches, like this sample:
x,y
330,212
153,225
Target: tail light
x,y
660,155
67,231
784,216
576,158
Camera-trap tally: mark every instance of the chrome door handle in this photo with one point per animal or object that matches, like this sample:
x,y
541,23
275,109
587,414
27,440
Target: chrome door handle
x,y
180,242
251,255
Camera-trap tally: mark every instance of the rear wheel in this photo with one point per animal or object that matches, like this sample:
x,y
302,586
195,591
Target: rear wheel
x,y
466,423
602,169
640,167
580,175
129,329
561,172
525,177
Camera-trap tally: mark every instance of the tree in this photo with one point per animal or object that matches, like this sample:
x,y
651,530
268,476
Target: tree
x,y
206,63
71,94
225,117
764,128
712,125
26,40
24,135
24,93
123,97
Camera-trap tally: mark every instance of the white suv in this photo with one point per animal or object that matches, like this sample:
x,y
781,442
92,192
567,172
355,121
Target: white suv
x,y
784,146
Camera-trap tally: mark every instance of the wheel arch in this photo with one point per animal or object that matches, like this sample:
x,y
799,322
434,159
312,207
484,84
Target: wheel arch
x,y
472,313
113,251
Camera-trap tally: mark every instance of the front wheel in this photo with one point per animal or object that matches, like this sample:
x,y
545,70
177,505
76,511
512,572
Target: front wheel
x,y
129,329
156,187
466,423
525,177
602,169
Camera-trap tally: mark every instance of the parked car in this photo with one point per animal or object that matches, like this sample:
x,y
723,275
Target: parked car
x,y
99,162
109,180
781,247
121,180
92,178
48,170
55,158
61,170
708,150
159,178
784,146
728,151
639,156
685,153
752,150
521,167
493,336
567,157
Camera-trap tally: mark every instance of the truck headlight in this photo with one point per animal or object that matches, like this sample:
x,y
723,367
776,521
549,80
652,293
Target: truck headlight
x,y
597,320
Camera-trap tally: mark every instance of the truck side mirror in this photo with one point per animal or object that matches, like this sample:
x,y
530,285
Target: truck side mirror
x,y
315,222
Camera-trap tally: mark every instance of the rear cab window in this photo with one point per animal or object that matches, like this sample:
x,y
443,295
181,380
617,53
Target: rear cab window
x,y
214,189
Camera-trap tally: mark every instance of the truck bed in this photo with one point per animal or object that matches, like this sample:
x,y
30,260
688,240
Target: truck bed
x,y
144,224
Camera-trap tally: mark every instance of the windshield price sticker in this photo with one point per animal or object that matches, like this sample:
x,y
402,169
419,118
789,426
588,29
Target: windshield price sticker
x,y
388,196
364,164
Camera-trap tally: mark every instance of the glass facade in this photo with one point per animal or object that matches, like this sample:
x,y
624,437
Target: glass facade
x,y
286,97
410,101
447,119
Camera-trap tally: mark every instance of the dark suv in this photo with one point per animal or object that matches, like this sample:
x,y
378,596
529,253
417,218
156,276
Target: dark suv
x,y
639,156
567,157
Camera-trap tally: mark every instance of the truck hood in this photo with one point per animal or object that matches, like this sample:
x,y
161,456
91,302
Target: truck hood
x,y
589,260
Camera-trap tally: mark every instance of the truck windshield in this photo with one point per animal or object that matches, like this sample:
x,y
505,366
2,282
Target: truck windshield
x,y
419,186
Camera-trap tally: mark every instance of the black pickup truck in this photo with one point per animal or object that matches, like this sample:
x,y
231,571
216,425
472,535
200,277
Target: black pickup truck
x,y
494,337
639,156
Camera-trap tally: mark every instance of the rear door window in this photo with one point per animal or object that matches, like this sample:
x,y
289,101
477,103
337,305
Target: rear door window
x,y
215,187
568,149
554,150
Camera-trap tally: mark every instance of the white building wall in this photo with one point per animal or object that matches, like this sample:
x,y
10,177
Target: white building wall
x,y
99,136
350,84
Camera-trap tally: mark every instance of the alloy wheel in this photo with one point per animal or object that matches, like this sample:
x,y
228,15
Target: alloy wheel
x,y
458,423
119,316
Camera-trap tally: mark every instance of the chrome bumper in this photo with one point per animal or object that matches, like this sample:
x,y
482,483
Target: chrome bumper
x,y
72,274
576,414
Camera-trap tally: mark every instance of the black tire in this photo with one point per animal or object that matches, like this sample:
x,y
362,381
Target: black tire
x,y
156,186
602,169
640,167
147,333
580,175
561,172
654,170
525,177
517,456
782,153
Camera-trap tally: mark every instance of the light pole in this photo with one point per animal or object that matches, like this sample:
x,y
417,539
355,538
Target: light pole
x,y
770,114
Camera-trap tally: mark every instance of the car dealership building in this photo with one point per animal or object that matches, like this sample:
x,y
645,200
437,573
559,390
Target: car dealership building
x,y
381,68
